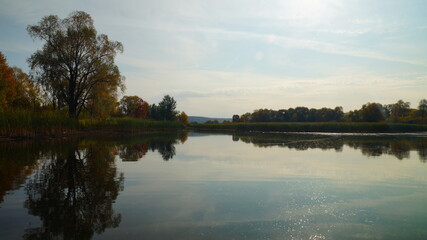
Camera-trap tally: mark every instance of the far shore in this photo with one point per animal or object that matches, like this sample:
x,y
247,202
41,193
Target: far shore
x,y
330,127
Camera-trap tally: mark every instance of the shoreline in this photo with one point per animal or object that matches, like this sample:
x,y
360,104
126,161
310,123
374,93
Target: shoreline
x,y
73,134
313,127
329,128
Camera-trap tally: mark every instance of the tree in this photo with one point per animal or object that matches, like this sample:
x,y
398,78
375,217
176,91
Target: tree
x,y
372,112
262,115
103,103
133,106
246,117
183,118
27,94
167,108
16,88
74,60
422,108
154,112
236,118
7,83
399,110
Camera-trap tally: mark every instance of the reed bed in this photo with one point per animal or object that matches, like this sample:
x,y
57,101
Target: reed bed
x,y
20,123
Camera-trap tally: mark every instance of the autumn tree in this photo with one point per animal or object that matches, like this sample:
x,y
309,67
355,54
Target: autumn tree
x,y
183,118
16,88
74,60
103,102
246,117
399,110
372,112
27,94
7,83
133,106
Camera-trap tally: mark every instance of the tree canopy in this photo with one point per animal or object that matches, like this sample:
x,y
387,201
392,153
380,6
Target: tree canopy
x,y
16,88
73,60
133,106
369,112
165,110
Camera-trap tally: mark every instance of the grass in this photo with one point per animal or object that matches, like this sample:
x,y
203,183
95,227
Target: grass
x,y
24,123
17,123
128,123
315,127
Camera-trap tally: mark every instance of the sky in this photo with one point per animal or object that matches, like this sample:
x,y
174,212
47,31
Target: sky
x,y
224,57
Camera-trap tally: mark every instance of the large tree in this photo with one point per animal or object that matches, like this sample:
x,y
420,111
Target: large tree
x,y
74,60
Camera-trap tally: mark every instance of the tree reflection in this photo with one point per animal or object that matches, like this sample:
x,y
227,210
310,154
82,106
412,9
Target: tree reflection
x,y
17,161
131,153
73,192
164,144
422,151
398,147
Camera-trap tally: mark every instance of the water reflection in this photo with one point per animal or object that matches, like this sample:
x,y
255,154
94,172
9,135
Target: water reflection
x,y
164,144
72,192
74,189
397,146
216,187
17,161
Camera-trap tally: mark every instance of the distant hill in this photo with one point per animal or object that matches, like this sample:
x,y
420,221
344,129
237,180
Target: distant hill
x,y
205,119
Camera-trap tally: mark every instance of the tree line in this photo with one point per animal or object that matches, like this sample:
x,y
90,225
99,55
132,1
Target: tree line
x,y
75,72
369,112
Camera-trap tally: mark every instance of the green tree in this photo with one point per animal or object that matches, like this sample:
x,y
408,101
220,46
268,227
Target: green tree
x,y
422,108
236,118
167,108
74,60
154,112
262,115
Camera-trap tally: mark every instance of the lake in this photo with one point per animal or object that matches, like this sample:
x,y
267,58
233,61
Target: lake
x,y
216,186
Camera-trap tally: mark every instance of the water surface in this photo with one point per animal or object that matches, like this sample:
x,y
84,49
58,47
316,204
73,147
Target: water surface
x,y
216,186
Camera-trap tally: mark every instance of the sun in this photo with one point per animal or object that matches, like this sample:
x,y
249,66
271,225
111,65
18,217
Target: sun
x,y
308,11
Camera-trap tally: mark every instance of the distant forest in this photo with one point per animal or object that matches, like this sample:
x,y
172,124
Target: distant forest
x,y
369,112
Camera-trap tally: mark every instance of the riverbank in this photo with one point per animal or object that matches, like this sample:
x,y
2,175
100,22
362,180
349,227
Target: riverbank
x,y
23,125
337,127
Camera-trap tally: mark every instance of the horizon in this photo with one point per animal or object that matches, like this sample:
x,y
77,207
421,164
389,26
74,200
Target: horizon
x,y
223,58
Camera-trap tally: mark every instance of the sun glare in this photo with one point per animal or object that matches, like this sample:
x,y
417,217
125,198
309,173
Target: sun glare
x,y
310,11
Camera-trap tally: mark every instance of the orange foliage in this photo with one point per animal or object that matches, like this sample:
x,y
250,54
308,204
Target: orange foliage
x,y
8,83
